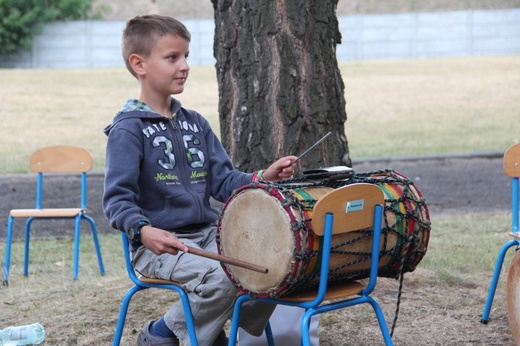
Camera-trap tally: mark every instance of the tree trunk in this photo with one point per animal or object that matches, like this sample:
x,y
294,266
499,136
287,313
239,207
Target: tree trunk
x,y
280,88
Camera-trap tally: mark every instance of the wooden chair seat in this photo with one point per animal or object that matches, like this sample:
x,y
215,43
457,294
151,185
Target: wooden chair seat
x,y
158,281
338,291
46,212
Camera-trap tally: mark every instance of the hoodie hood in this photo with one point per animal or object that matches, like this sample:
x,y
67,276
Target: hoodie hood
x,y
134,108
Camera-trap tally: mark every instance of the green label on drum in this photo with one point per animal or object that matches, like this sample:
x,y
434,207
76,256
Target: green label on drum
x,y
354,205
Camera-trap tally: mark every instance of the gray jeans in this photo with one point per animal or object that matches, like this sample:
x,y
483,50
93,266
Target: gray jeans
x,y
211,293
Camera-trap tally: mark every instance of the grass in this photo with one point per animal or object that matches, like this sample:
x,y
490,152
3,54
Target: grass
x,y
433,106
84,312
72,106
461,237
394,108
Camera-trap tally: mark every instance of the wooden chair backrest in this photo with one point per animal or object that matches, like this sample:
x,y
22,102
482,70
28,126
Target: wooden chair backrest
x,y
512,161
352,205
61,159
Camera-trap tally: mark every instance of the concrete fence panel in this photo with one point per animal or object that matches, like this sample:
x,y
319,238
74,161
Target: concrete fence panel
x,y
364,37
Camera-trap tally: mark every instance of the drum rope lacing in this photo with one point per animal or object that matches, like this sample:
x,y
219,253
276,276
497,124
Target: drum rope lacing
x,y
379,178
412,253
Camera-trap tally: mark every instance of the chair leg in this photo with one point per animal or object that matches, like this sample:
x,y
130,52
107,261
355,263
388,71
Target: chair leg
x,y
235,324
122,313
188,315
26,248
124,309
77,228
382,322
494,280
269,334
343,304
235,320
7,261
306,326
96,243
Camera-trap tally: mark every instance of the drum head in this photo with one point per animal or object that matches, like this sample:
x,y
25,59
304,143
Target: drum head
x,y
254,227
513,297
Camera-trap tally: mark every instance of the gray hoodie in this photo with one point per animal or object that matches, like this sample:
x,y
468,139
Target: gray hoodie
x,y
165,171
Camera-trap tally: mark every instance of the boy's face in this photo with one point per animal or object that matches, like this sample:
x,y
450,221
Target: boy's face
x,y
166,69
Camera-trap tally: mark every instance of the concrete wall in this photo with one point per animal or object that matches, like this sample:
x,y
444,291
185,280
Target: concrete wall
x,y
364,37
421,35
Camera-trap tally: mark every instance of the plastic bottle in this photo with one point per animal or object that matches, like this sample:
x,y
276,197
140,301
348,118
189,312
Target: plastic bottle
x,y
32,334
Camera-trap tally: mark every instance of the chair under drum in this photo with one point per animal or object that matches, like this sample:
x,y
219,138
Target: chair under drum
x,y
350,208
511,169
142,283
60,159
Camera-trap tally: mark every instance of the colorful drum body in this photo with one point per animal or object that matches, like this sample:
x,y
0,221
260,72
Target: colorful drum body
x,y
270,224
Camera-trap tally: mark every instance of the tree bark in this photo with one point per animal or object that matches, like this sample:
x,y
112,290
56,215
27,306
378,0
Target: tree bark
x,y
280,88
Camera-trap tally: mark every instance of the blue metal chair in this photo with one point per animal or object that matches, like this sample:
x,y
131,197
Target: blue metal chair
x,y
55,159
512,169
142,283
350,208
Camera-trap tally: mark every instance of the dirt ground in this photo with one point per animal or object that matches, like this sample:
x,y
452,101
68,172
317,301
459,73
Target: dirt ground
x,y
458,184
454,184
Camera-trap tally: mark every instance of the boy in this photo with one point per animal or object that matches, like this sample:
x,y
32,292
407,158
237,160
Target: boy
x,y
163,164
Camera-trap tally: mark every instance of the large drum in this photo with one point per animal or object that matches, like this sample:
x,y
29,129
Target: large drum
x,y
270,224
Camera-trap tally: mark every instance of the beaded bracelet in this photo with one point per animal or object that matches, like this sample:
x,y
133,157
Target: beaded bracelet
x,y
258,175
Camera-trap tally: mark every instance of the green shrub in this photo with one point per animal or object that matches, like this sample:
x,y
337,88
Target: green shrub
x,y
20,20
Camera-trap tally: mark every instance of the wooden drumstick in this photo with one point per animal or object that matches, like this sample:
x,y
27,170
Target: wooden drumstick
x,y
228,260
312,146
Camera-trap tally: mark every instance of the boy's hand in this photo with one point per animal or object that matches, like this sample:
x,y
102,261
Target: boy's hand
x,y
160,241
280,169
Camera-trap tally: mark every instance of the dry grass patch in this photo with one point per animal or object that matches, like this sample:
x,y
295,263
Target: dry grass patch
x,y
433,106
394,108
441,303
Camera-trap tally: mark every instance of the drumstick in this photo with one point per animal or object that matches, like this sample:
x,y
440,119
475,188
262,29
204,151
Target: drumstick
x,y
312,146
226,259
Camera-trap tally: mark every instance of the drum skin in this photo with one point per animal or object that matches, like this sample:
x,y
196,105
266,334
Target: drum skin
x,y
513,296
256,227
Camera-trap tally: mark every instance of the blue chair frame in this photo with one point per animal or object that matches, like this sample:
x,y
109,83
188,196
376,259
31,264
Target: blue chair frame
x,y
354,292
512,169
143,283
55,159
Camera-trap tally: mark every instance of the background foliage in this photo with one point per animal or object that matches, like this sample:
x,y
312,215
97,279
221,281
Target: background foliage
x,y
21,20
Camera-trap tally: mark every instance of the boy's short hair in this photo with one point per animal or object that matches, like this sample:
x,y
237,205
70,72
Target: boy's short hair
x,y
142,32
